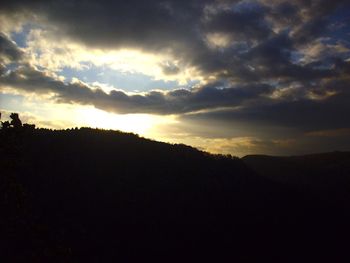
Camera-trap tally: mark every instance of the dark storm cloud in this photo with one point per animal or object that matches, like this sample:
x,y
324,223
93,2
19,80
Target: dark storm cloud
x,y
172,102
2,69
285,14
181,27
143,24
9,50
246,24
302,114
170,69
316,19
263,53
273,59
310,30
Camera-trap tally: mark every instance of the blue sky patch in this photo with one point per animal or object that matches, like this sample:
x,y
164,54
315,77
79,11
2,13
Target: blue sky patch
x,y
130,82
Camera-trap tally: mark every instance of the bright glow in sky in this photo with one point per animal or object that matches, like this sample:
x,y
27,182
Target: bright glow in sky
x,y
137,123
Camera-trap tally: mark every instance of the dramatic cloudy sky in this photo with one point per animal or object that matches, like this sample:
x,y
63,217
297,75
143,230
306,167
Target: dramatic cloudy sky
x,y
228,76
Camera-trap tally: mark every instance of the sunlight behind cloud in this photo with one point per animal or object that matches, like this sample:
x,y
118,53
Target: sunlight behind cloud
x,y
143,124
218,40
52,53
34,109
247,76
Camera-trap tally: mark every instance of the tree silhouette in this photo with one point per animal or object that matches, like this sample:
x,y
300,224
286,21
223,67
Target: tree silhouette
x,y
5,125
15,121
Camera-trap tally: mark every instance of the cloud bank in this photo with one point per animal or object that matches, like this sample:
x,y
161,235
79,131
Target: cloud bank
x,y
267,63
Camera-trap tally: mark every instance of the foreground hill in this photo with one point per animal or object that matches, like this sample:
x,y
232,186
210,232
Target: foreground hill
x,y
87,195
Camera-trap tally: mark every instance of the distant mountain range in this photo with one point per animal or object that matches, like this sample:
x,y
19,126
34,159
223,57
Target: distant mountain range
x,y
323,171
88,195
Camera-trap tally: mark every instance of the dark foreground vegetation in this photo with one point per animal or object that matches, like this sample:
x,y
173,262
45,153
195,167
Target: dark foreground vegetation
x,y
88,195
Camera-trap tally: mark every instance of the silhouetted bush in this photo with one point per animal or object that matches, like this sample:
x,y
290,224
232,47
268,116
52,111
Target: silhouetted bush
x,y
15,121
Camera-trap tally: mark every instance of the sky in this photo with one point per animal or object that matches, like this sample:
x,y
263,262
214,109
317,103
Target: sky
x,y
226,76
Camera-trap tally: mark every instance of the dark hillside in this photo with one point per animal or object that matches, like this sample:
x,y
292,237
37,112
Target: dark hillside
x,y
87,195
326,174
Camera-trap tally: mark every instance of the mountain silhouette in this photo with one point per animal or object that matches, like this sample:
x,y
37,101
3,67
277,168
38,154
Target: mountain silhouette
x,y
325,174
90,195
